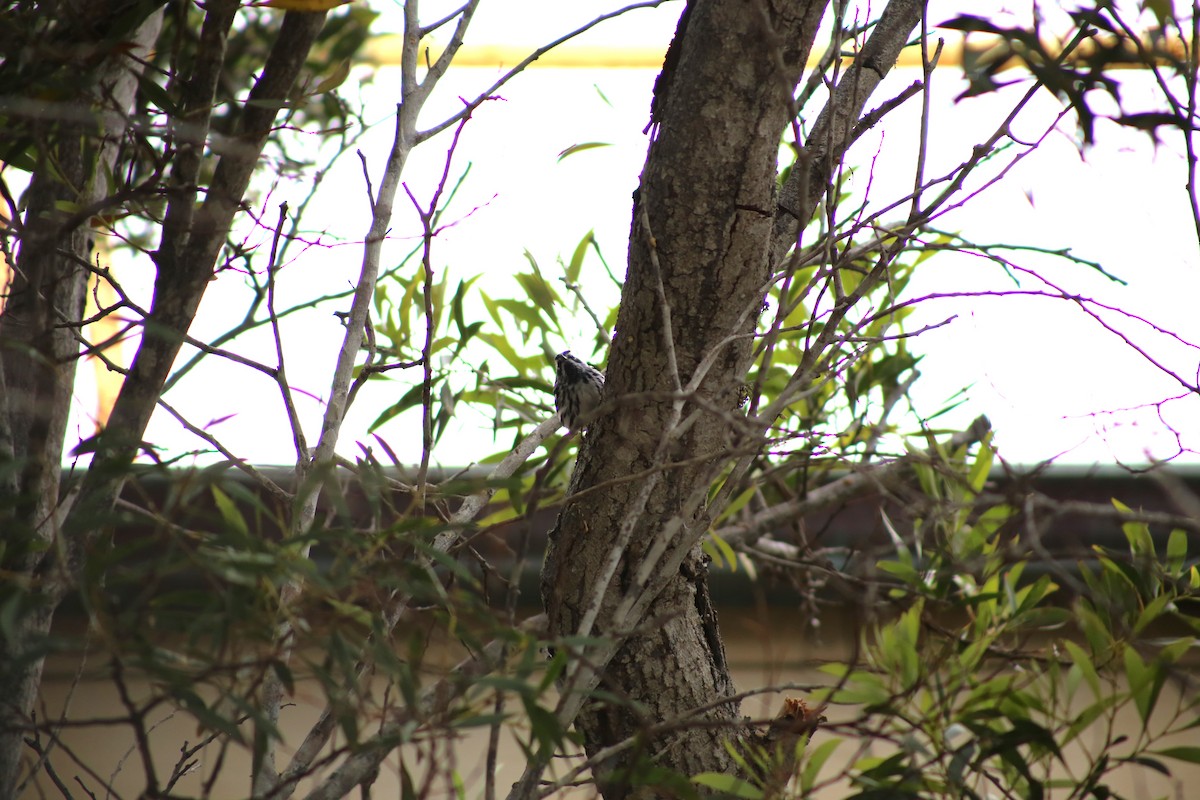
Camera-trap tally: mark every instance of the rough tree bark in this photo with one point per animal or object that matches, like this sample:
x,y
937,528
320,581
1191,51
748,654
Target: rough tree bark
x,y
39,326
187,254
833,131
39,330
701,228
700,256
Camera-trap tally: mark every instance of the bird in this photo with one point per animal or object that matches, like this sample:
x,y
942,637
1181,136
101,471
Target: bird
x,y
577,387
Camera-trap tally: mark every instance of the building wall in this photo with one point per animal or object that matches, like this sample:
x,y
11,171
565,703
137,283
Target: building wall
x,y
774,648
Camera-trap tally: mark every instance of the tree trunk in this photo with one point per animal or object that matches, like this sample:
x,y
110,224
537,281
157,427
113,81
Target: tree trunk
x,y
699,260
185,260
40,351
39,332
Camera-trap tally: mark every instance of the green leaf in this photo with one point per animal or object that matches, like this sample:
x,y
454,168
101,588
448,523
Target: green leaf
x,y
1082,662
974,653
1173,651
816,759
1151,763
336,77
579,148
410,399
1138,534
728,785
904,572
905,651
902,551
1088,715
1176,551
501,345
229,511
1163,11
543,725
863,688
211,720
576,264
157,95
1145,681
1046,619
538,290
479,721
493,309
437,298
1098,635
552,670
737,504
1153,610
505,683
284,674
351,611
465,331
722,551
982,467
523,312
1181,753
408,790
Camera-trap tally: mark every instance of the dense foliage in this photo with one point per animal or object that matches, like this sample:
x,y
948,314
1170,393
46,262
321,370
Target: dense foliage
x,y
305,626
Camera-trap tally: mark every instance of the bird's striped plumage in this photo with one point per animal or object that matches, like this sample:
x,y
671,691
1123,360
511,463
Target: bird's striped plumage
x,y
577,388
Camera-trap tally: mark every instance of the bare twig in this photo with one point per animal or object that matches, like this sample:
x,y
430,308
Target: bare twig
x,y
259,477
850,486
280,375
43,753
427,217
456,42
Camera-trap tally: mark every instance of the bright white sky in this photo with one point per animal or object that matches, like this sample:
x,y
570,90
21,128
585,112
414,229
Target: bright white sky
x,y
1053,381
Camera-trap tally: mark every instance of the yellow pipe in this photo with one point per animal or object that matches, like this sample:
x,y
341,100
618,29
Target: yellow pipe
x,y
386,50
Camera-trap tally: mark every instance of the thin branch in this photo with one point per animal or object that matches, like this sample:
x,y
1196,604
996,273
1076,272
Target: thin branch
x,y
43,753
427,217
370,755
433,26
137,720
258,477
367,178
853,485
799,194
577,290
184,273
351,772
664,307
927,66
289,401
534,56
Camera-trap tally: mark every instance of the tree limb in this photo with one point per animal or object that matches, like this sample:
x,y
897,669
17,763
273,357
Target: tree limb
x,y
833,131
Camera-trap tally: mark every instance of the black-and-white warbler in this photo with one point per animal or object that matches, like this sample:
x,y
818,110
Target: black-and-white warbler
x,y
576,389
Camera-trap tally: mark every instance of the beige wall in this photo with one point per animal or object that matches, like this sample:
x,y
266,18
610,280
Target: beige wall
x,y
762,650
